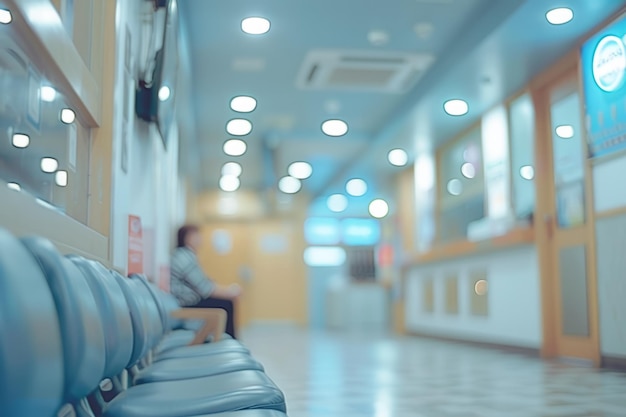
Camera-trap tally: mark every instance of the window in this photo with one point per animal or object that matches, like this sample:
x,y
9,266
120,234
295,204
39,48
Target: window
x,y
461,187
522,123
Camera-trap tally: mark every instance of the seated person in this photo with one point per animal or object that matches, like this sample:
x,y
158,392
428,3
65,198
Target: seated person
x,y
189,284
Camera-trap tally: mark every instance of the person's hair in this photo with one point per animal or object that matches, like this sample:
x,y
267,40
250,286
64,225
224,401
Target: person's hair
x,y
183,232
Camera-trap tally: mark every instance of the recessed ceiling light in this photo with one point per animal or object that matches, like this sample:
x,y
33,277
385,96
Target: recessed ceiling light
x,y
255,25
243,104
48,94
423,30
239,127
560,16
68,116
397,157
232,168
20,140
356,187
5,16
14,186
527,172
379,208
164,93
565,131
378,37
235,147
456,107
289,185
49,165
337,203
468,170
335,127
229,183
300,170
60,178
455,187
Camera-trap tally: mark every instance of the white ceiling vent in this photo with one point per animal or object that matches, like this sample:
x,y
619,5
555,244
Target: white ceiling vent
x,y
363,71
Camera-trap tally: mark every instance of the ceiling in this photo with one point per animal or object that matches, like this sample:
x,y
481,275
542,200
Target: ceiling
x,y
481,50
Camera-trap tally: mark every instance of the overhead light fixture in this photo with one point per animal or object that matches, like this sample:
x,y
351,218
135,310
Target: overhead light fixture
x,y
243,104
289,185
20,140
235,147
356,187
239,127
49,165
300,170
255,25
456,107
14,186
229,183
232,168
565,131
48,94
378,37
68,116
468,170
398,157
334,127
560,16
527,172
164,93
5,17
455,187
379,208
60,178
337,203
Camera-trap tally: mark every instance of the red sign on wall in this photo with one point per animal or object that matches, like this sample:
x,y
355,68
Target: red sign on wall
x,y
135,245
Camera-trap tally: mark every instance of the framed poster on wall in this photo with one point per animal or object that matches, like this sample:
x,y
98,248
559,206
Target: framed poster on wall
x,y
604,84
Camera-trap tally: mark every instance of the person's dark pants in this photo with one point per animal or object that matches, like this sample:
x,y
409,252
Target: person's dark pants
x,y
224,305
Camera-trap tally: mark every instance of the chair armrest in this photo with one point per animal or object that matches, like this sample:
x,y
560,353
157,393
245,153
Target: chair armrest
x,y
214,322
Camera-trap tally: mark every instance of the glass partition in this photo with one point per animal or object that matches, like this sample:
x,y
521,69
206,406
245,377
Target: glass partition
x,y
522,125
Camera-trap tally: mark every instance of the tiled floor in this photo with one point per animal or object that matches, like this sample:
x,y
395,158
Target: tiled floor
x,y
327,374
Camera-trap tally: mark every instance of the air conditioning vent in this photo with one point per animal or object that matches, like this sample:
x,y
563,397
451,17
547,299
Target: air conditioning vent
x,y
362,71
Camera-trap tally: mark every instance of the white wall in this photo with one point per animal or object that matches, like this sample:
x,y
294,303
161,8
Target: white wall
x,y
514,299
152,187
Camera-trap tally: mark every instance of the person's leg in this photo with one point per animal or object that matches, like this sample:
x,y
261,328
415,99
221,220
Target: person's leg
x,y
224,304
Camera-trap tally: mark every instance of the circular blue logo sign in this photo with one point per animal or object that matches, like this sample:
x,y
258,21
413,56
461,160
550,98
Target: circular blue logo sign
x,y
609,63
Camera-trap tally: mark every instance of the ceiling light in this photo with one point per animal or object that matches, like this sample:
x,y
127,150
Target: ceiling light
x,y
300,170
68,116
60,178
468,170
398,157
239,127
5,16
20,140
335,127
527,172
560,16
243,104
229,183
289,185
379,208
423,30
14,186
164,93
378,37
255,25
356,187
235,147
48,94
232,168
565,131
456,107
337,203
455,187
49,165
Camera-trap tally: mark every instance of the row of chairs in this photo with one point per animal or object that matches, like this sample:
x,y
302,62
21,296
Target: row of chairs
x,y
79,340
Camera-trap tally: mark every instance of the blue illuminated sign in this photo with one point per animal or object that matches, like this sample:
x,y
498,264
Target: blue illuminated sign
x,y
360,232
322,231
604,76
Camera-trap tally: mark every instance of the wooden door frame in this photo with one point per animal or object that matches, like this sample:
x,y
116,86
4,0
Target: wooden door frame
x,y
568,71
